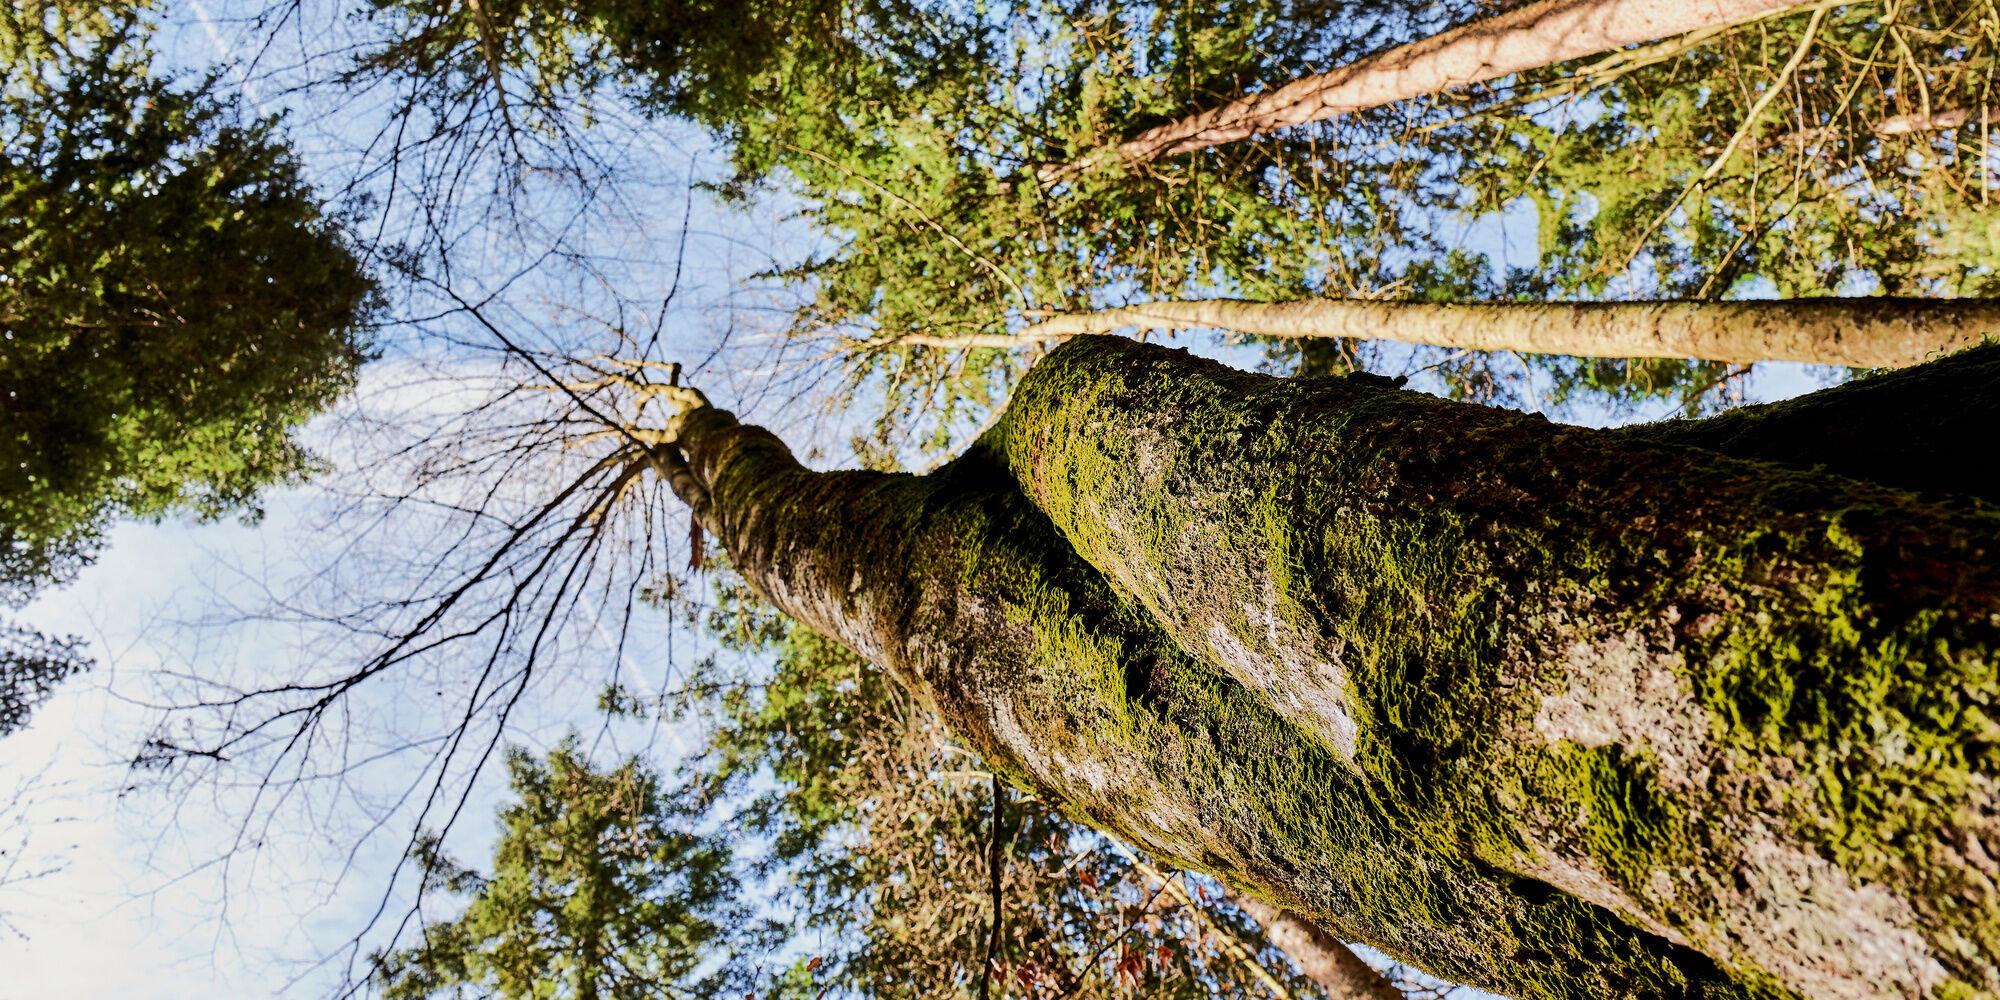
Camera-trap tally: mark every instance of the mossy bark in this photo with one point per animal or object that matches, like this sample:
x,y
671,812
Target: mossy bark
x,y
1934,428
1547,710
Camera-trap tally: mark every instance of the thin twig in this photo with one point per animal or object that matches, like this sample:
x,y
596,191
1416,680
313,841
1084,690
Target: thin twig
x,y
993,937
1101,952
1742,131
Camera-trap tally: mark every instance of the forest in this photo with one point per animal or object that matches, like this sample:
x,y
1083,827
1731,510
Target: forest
x,y
1040,499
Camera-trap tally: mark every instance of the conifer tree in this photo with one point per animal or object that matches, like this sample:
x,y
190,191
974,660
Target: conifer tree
x,y
176,300
596,892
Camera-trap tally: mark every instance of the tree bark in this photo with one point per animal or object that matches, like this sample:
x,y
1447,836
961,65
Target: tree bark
x,y
1325,959
1928,429
1936,121
1548,710
1854,332
1539,34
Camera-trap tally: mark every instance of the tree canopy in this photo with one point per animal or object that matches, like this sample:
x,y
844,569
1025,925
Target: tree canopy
x,y
914,132
1157,650
596,890
176,300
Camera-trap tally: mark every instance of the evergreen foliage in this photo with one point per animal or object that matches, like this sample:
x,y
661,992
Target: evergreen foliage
x,y
596,891
174,300
31,665
1664,164
1649,173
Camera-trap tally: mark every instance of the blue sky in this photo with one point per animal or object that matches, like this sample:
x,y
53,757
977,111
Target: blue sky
x,y
163,891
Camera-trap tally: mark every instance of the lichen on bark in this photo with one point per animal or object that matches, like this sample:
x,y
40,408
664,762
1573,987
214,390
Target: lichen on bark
x,y
1548,710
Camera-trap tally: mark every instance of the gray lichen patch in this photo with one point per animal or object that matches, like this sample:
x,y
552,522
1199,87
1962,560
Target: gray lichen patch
x,y
1815,927
1309,691
1620,692
1111,782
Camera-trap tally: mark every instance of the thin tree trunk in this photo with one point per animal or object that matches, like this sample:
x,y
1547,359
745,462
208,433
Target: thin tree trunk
x,y
1547,710
1936,121
590,964
1539,34
1339,972
1855,332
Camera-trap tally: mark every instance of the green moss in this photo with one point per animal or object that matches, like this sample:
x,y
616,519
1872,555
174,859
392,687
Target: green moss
x,y
1453,559
1462,568
1393,867
1098,681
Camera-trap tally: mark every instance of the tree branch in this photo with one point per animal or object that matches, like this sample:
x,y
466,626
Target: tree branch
x,y
1874,332
1540,34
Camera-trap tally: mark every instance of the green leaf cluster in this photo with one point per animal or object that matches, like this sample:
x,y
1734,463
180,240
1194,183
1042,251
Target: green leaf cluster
x,y
596,890
174,299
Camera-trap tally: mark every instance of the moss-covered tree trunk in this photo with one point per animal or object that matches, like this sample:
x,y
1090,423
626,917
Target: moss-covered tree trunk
x,y
1548,710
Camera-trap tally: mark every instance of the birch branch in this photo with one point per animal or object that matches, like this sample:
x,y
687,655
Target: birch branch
x,y
1936,121
1876,332
1539,34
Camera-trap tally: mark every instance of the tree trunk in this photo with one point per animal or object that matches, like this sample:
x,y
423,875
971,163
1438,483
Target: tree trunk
x,y
1857,332
1539,34
1548,710
1929,429
1338,971
1936,121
